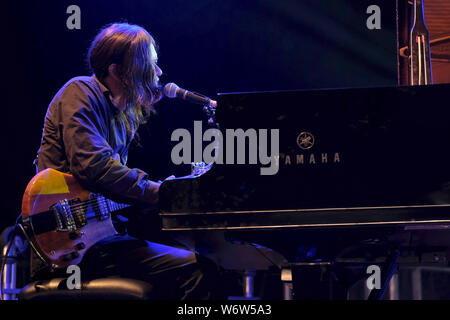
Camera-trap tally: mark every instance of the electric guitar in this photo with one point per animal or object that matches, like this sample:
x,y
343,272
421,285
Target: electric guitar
x,y
62,219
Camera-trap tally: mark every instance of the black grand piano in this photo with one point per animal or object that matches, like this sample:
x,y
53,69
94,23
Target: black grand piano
x,y
362,178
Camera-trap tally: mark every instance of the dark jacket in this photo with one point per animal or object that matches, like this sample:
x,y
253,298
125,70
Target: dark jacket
x,y
84,135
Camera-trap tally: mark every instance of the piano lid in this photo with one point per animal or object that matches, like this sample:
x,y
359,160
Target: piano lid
x,y
360,147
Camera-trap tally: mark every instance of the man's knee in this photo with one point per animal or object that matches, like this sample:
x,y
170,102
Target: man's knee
x,y
161,257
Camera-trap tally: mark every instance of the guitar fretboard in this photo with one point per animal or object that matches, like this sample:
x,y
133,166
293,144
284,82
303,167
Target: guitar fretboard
x,y
115,206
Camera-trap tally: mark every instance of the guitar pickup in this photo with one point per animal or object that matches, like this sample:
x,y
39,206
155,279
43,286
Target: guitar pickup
x,y
69,215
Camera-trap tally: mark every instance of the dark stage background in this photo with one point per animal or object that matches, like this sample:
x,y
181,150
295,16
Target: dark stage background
x,y
208,46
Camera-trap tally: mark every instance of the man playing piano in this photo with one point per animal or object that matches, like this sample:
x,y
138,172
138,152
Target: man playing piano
x,y
87,131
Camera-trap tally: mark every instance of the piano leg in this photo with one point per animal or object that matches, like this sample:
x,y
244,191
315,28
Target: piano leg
x,y
249,284
286,279
390,269
316,281
248,278
416,283
394,288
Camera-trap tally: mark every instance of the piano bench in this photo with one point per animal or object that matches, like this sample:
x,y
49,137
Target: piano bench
x,y
112,288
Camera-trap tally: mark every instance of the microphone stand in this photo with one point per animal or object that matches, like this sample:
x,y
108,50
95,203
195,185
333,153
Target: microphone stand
x,y
200,168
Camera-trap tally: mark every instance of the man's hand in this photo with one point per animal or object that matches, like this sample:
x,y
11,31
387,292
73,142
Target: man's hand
x,y
153,190
168,178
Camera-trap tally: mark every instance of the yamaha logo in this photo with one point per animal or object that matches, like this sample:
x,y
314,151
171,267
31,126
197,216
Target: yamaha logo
x,y
305,140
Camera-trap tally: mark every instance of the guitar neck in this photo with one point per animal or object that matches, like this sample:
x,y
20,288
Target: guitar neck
x,y
115,206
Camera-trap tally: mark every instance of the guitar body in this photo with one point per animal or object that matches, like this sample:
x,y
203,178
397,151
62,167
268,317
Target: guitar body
x,y
64,245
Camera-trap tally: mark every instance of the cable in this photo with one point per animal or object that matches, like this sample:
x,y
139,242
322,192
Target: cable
x,y
32,245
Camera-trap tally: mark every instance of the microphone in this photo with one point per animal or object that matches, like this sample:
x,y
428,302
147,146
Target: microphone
x,y
171,90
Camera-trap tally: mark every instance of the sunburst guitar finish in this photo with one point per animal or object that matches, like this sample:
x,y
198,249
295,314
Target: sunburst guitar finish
x,y
63,219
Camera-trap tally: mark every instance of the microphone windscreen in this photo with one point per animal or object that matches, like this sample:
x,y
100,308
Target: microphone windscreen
x,y
170,90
